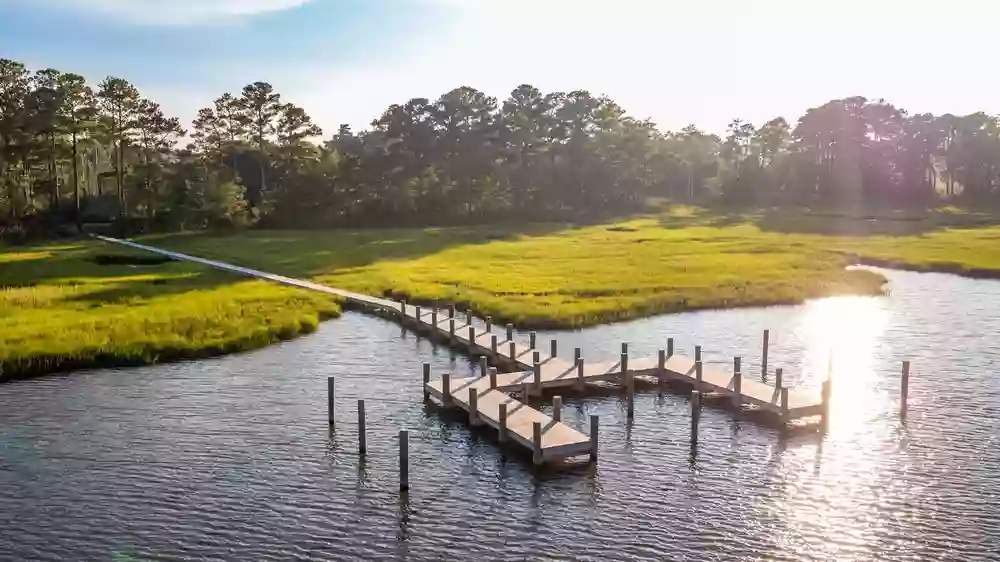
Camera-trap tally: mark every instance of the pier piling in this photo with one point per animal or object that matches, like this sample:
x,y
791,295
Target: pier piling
x,y
427,379
473,407
557,408
404,459
362,437
695,415
502,419
330,401
594,426
904,390
763,356
536,432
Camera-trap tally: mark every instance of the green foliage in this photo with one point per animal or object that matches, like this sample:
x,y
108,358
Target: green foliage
x,y
60,310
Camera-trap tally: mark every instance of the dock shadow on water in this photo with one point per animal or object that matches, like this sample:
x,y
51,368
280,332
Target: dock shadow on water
x,y
133,463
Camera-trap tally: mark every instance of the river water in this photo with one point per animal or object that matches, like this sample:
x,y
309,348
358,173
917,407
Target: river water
x,y
232,459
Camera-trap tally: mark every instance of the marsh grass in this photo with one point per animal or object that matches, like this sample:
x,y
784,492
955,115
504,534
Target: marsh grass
x,y
61,310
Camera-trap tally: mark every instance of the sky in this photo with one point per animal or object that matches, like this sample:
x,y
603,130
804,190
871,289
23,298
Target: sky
x,y
676,62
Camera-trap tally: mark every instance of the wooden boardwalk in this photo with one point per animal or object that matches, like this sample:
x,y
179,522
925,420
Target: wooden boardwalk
x,y
534,371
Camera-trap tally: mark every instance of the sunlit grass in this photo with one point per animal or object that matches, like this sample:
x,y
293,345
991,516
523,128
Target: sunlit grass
x,y
59,311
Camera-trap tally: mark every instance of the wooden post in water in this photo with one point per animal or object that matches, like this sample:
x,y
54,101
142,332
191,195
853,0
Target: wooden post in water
x,y
695,416
493,344
577,353
502,431
417,314
784,404
624,365
446,389
434,318
483,365
579,373
630,394
594,426
526,393
532,337
538,378
536,440
489,324
451,328
763,356
536,357
825,393
330,400
472,339
661,367
737,383
468,316
904,390
362,437
404,459
625,348
554,348
513,354
557,408
510,332
473,407
670,347
493,377
427,379
779,375
697,368
451,311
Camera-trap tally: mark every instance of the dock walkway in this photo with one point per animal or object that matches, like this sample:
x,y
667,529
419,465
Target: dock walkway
x,y
533,371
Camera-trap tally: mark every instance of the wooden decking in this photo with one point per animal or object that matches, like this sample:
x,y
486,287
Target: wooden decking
x,y
553,439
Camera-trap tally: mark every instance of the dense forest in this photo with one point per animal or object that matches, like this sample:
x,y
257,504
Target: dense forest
x,y
74,153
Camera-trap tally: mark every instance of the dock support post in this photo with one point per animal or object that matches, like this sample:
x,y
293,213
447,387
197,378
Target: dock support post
x,y
483,365
825,393
625,348
763,357
451,328
472,339
695,416
536,357
624,365
402,308
536,440
427,379
404,459
493,344
557,408
784,404
670,347
779,375
510,332
362,438
594,426
468,316
538,378
904,390
489,324
630,390
737,384
451,311
493,377
502,431
697,368
513,354
330,393
532,337
661,365
579,373
473,407
526,393
577,353
554,345
417,316
434,317
446,389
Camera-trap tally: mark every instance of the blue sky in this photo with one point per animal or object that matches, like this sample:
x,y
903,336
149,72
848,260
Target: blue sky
x,y
677,62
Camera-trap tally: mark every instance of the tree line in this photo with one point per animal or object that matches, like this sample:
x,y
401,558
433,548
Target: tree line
x,y
71,153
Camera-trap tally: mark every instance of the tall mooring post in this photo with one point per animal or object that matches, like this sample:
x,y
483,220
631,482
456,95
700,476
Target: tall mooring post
x,y
904,390
763,356
330,401
404,459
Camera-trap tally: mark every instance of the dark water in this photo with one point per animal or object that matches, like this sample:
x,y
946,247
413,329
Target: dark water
x,y
231,459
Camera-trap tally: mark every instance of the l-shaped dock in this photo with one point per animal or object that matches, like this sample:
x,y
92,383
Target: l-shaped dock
x,y
488,398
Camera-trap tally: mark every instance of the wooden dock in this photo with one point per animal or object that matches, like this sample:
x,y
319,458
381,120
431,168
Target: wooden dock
x,y
533,371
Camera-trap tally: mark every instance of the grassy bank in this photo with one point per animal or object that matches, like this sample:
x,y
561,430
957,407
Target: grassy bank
x,y
555,275
61,310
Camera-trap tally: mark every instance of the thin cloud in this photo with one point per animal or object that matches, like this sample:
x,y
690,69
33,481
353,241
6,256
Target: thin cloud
x,y
175,12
